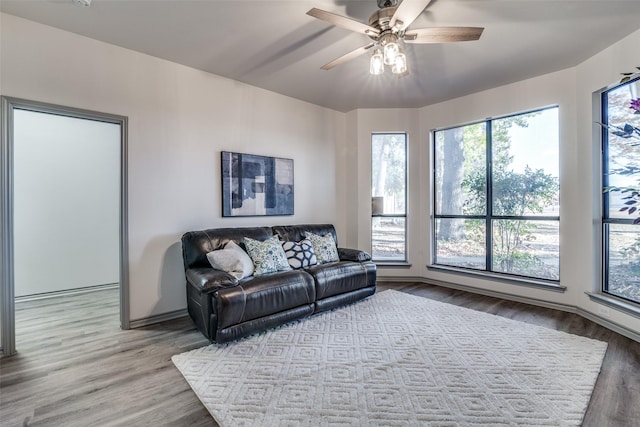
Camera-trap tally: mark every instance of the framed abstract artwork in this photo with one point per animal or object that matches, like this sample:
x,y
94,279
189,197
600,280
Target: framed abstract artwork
x,y
256,185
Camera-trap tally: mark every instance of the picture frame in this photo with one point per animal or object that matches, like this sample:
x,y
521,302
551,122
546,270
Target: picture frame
x,y
254,185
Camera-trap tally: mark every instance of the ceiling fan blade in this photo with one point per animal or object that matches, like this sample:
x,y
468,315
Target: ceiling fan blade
x,y
407,12
443,34
348,57
343,22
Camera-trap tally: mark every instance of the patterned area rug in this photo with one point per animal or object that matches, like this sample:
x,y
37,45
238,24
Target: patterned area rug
x,y
398,360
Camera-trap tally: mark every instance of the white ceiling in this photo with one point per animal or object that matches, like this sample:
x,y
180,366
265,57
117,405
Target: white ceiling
x,y
276,46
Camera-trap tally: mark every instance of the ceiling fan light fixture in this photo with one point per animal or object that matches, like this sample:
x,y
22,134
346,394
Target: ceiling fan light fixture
x,y
376,66
389,26
400,64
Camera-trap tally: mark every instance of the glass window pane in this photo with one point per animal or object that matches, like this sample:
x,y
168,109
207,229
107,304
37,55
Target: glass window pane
x,y
527,248
460,167
388,236
525,164
624,261
460,243
623,160
388,173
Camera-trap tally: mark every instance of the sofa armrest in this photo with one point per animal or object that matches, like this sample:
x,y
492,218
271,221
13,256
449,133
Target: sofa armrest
x,y
209,280
356,255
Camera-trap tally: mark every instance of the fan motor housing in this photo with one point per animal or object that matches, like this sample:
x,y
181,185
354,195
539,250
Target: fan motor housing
x,y
381,19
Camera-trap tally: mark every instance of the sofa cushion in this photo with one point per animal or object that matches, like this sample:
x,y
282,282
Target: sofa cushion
x,y
259,296
354,255
300,254
207,279
341,277
324,247
231,259
197,244
267,256
295,233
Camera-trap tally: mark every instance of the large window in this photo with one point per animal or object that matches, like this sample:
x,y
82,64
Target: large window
x,y
621,190
496,196
388,196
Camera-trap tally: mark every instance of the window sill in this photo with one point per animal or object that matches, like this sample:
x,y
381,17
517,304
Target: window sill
x,y
504,278
615,303
392,264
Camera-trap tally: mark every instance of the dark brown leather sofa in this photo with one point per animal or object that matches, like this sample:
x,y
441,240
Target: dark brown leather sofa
x,y
225,308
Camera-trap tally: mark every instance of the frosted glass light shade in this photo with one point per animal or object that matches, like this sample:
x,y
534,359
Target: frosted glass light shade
x,y
400,64
376,65
391,50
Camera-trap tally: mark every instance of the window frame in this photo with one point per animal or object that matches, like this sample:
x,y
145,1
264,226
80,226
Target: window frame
x,y
488,217
605,220
389,261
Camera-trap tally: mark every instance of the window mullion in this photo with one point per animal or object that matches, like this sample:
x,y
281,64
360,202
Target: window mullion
x,y
605,256
604,149
489,199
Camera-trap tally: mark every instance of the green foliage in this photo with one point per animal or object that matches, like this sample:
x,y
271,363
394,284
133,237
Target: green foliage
x,y
521,193
519,262
475,143
514,194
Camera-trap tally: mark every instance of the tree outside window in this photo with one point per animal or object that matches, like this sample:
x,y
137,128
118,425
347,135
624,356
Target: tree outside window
x,y
497,195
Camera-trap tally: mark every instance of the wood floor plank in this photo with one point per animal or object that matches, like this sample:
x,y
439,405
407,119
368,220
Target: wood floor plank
x,y
75,367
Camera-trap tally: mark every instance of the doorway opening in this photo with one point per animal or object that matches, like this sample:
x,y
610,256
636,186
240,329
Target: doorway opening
x,y
64,205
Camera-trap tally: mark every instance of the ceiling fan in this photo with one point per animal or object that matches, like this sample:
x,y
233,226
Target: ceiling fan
x,y
386,27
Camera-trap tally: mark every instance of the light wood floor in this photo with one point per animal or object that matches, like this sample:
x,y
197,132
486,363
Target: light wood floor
x,y
75,367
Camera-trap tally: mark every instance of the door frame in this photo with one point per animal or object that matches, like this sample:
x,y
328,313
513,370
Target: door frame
x,y
7,292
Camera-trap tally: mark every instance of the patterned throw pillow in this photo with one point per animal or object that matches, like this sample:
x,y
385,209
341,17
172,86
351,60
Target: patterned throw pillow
x,y
300,254
324,247
267,256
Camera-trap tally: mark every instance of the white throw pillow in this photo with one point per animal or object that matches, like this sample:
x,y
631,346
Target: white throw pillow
x,y
232,259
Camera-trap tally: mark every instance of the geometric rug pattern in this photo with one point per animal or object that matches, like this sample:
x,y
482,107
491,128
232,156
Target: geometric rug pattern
x,y
396,359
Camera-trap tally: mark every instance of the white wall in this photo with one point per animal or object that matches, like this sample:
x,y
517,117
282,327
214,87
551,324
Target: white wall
x,y
66,202
571,90
179,121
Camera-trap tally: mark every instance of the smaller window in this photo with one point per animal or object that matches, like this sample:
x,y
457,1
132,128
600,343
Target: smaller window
x,y
388,196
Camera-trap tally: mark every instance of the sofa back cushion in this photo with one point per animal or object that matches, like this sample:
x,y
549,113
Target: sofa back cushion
x,y
197,244
295,233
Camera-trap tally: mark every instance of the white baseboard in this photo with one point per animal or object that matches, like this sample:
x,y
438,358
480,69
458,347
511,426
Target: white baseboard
x,y
151,320
616,327
67,292
620,329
